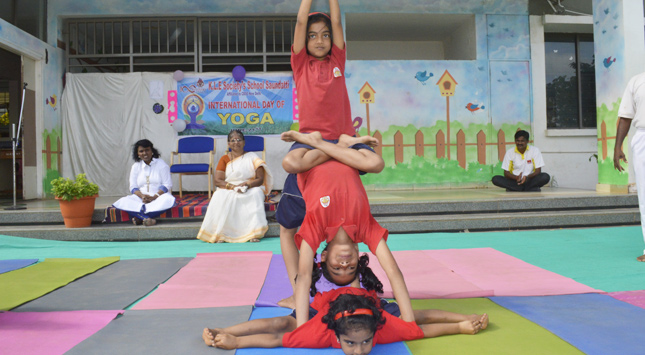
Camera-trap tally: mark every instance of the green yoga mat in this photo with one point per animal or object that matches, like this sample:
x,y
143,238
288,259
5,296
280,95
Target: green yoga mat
x,y
26,284
507,332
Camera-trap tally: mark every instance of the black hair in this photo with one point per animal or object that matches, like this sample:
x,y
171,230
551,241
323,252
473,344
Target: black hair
x,y
365,275
319,17
349,302
146,144
235,131
522,133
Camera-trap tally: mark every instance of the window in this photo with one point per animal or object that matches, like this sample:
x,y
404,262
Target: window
x,y
188,44
570,81
28,15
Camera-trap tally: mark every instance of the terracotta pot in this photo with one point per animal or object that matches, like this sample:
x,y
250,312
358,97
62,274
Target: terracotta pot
x,y
77,213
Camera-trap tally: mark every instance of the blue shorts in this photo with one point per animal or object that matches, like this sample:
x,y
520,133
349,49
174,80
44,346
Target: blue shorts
x,y
291,209
312,313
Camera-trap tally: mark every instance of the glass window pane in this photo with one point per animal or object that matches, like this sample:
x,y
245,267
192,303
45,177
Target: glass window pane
x,y
587,82
561,82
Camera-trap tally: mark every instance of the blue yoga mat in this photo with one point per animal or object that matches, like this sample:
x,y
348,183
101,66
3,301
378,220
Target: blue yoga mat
x,y
267,312
593,323
15,264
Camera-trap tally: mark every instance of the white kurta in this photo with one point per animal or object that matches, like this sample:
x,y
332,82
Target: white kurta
x,y
148,179
238,217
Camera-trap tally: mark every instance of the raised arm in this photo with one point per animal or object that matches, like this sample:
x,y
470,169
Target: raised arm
x,y
303,283
336,24
300,33
391,268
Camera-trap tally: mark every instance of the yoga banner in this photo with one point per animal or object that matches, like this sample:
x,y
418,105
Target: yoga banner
x,y
213,104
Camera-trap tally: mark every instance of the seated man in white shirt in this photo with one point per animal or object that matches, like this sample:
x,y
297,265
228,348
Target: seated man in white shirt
x,y
522,167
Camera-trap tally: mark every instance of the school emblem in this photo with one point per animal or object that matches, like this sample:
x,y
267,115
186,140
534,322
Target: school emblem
x,y
337,72
324,201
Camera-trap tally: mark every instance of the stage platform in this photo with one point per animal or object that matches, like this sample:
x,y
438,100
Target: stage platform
x,y
400,211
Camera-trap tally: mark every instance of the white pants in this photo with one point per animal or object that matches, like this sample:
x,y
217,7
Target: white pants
x,y
638,161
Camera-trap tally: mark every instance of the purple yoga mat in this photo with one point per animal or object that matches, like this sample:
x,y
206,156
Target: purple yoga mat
x,y
15,264
276,285
49,333
637,298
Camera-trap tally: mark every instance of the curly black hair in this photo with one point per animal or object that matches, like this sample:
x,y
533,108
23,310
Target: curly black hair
x,y
365,275
146,144
349,302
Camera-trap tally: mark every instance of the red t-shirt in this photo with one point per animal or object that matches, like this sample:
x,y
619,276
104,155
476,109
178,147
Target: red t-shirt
x,y
315,334
323,102
335,197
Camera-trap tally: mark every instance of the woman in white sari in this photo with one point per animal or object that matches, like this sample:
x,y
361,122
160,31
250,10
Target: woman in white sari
x,y
236,211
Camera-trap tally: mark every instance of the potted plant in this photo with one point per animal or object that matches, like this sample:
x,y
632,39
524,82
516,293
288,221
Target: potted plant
x,y
76,198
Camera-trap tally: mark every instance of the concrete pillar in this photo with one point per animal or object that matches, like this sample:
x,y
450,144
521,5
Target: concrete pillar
x,y
619,43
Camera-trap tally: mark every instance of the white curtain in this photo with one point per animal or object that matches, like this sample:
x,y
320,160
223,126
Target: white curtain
x,y
104,114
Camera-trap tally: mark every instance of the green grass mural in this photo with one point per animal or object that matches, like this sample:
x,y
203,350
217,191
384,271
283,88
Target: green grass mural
x,y
432,171
51,156
606,172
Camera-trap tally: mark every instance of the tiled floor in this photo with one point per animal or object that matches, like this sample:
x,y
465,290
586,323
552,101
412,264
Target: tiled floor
x,y
376,196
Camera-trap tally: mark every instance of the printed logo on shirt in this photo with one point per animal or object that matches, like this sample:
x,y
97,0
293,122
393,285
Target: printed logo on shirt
x,y
324,201
529,161
337,72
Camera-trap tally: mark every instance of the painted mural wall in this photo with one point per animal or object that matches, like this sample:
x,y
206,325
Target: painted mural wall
x,y
610,84
52,65
441,123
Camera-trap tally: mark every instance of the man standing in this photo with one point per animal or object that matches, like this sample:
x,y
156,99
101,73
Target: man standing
x,y
522,167
632,109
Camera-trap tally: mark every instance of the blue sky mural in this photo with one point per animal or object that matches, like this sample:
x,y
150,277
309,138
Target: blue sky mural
x,y
610,65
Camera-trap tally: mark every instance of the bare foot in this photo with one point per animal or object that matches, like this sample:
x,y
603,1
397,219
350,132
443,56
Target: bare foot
x,y
226,341
288,302
641,258
469,327
481,318
347,141
484,321
311,139
254,240
209,336
149,222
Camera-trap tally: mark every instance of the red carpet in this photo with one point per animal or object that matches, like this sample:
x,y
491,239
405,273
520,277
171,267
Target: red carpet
x,y
192,205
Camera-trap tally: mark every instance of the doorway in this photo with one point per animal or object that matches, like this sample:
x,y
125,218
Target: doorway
x,y
10,99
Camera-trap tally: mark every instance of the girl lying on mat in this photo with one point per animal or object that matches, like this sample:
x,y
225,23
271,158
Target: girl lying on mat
x,y
350,318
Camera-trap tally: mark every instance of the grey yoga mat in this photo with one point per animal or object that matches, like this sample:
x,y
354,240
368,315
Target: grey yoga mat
x,y
113,287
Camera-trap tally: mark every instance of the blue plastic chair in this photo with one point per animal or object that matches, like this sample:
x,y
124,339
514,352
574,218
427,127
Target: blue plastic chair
x,y
255,144
194,145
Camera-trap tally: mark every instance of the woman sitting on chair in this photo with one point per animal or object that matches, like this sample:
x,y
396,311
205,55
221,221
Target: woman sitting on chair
x,y
150,185
236,211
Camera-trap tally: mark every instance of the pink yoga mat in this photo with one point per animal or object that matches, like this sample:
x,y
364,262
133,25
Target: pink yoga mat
x,y
212,280
637,298
488,268
48,333
427,278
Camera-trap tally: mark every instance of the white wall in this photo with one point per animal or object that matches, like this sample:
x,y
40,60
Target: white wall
x,y
395,50
566,151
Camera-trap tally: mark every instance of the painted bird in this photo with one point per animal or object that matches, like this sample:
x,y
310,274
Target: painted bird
x,y
423,76
607,62
358,121
51,101
472,107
